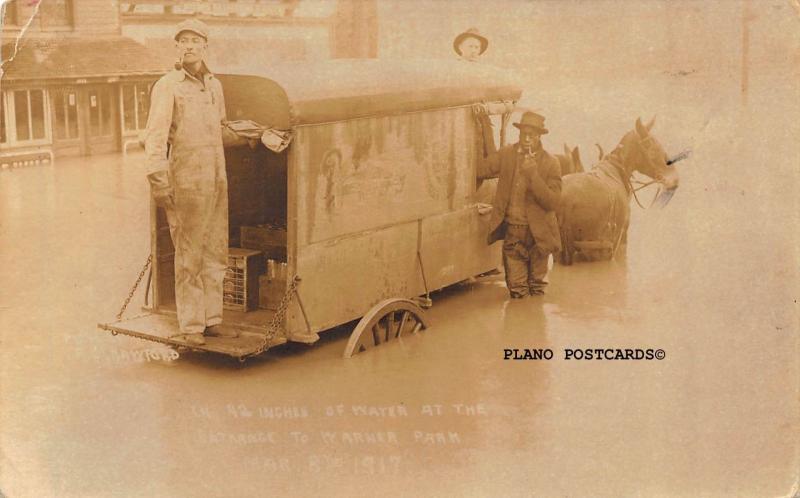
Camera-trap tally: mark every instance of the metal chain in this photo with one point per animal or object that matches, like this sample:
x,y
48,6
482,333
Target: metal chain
x,y
274,324
278,317
135,285
161,340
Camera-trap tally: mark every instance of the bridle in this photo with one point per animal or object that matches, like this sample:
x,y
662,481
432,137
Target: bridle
x,y
640,184
628,181
626,176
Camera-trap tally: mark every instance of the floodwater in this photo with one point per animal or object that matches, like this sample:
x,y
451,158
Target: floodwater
x,y
711,280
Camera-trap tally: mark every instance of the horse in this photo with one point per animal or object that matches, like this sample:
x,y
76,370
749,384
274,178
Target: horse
x,y
594,212
570,160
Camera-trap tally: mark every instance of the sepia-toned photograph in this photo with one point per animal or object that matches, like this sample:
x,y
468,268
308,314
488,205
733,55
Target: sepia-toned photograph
x,y
418,248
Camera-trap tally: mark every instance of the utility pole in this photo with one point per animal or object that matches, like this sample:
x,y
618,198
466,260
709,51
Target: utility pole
x,y
747,17
355,29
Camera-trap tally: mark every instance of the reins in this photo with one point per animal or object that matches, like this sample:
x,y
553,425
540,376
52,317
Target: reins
x,y
625,176
640,187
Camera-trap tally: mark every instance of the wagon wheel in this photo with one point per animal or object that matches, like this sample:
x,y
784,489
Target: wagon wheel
x,y
386,321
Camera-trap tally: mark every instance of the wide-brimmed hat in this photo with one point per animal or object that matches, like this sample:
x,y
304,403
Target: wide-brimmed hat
x,y
473,32
532,120
193,25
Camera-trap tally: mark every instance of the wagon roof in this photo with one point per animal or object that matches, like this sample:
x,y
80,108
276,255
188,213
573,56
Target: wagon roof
x,y
311,93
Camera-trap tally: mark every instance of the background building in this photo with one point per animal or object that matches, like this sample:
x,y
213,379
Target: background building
x,y
71,83
76,74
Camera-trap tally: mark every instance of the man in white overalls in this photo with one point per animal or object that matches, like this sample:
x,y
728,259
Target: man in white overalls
x,y
186,170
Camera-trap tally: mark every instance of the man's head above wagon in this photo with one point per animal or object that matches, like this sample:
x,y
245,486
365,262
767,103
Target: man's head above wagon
x,y
470,44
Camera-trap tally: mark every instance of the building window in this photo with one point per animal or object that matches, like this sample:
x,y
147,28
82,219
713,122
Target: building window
x,y
36,101
65,111
55,14
21,115
135,105
23,120
29,115
9,13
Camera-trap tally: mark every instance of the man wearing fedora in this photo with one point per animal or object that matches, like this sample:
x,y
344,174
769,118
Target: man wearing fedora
x,y
186,169
523,215
470,45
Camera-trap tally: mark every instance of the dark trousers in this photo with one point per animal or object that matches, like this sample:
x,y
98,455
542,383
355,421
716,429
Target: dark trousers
x,y
525,264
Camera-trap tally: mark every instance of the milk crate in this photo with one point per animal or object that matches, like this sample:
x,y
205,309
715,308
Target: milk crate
x,y
240,286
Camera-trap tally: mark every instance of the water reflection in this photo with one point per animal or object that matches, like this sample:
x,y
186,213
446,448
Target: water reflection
x,y
589,290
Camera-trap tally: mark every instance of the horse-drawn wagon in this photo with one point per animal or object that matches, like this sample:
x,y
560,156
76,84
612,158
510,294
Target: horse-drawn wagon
x,y
374,204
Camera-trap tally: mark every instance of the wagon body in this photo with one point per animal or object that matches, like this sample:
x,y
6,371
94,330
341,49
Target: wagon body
x,y
377,191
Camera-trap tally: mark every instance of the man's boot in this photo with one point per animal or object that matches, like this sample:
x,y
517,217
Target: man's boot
x,y
195,339
218,331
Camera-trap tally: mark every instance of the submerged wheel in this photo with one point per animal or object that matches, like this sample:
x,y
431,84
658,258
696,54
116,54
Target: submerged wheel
x,y
385,322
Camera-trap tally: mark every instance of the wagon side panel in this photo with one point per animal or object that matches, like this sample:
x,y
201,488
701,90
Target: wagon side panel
x,y
363,190
453,247
369,173
342,278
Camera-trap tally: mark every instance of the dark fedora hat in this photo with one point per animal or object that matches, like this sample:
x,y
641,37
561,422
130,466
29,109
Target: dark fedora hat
x,y
532,120
473,32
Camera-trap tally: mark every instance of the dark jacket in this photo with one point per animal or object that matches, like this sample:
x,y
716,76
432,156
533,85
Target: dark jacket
x,y
541,199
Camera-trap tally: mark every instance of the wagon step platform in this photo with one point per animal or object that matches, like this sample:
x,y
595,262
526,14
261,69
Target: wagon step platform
x,y
163,328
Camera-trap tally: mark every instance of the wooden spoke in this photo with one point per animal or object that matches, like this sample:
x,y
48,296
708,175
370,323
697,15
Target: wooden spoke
x,y
389,321
403,321
376,334
381,325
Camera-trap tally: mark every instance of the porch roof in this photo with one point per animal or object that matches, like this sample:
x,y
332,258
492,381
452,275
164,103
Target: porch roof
x,y
72,58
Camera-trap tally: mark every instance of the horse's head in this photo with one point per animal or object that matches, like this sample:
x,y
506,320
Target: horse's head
x,y
640,151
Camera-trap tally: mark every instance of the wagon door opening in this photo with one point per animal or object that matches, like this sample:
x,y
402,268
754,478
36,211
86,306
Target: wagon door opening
x,y
257,212
257,205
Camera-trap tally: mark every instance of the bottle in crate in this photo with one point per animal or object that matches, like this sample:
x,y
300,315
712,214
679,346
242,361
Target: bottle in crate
x,y
269,240
240,286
